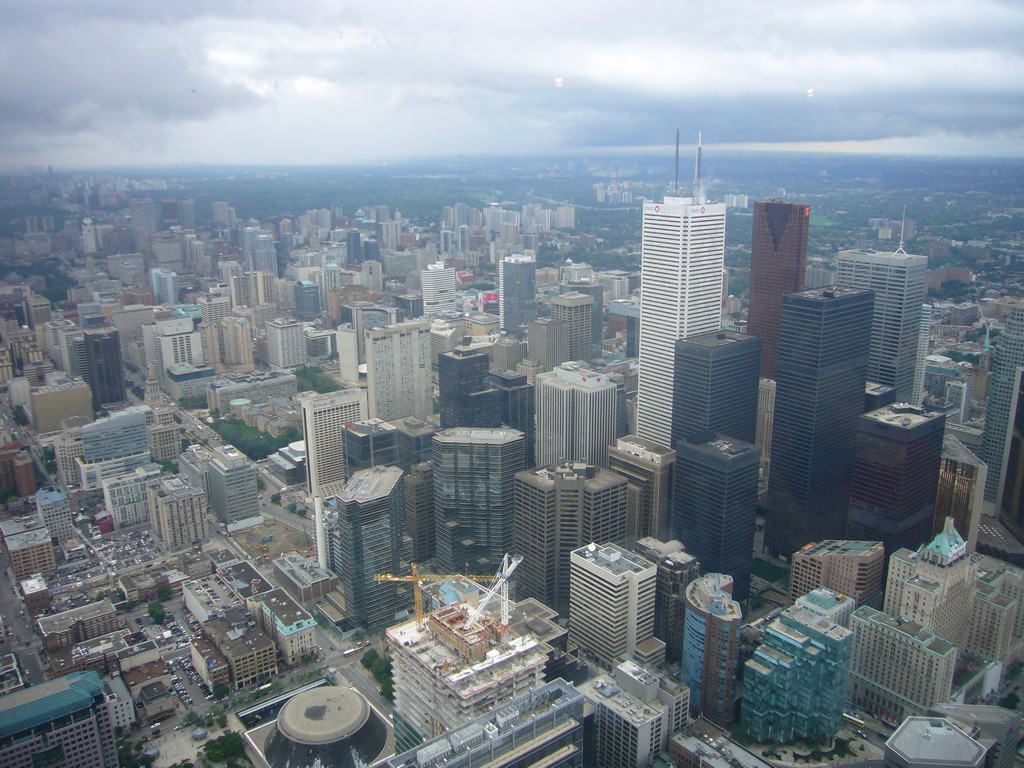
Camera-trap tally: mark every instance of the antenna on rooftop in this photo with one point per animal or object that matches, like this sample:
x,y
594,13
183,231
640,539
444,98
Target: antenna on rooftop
x,y
698,194
903,225
675,187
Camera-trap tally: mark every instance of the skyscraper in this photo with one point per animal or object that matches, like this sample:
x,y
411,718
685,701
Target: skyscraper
x,y
548,342
577,310
517,406
898,282
517,291
682,257
438,283
369,443
823,353
353,246
398,379
177,511
577,415
286,347
649,470
103,370
895,475
557,511
778,258
711,647
465,395
165,285
474,510
961,492
367,535
715,385
1007,357
595,290
716,505
676,569
611,605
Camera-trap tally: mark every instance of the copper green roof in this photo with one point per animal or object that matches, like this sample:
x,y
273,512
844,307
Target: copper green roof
x,y
31,707
947,540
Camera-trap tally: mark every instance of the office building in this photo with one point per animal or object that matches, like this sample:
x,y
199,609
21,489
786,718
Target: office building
x,y
897,668
170,343
54,511
544,726
126,499
548,342
323,422
419,510
823,353
369,443
1010,501
76,625
711,645
465,396
649,470
829,604
307,300
69,721
716,505
595,290
611,605
398,379
438,285
932,742
854,568
286,346
113,446
302,578
28,546
682,257
558,510
415,441
778,259
895,473
961,490
292,630
449,671
165,286
104,372
897,280
177,512
516,405
231,485
507,352
51,404
794,686
577,415
577,310
636,710
676,569
765,420
367,536
517,293
716,386
254,386
252,289
474,509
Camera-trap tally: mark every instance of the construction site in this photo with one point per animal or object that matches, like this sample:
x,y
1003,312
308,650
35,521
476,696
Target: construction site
x,y
269,540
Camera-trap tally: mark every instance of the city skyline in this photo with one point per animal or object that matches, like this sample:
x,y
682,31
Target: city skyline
x,y
553,81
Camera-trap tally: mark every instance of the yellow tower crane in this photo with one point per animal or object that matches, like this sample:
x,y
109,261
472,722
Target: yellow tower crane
x,y
418,578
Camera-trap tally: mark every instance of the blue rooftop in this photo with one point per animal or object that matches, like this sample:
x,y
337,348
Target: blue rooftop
x,y
31,707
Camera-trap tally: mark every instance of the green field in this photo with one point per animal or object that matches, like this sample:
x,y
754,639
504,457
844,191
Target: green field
x,y
768,571
821,221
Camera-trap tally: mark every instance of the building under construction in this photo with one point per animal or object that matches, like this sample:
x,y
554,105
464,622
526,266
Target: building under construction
x,y
456,665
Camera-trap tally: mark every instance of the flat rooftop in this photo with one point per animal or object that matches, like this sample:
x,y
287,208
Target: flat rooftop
x,y
30,538
371,483
923,740
841,547
902,415
613,559
716,339
48,701
302,571
912,631
59,622
287,611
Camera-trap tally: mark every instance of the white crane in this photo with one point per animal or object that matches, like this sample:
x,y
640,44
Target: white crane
x,y
508,564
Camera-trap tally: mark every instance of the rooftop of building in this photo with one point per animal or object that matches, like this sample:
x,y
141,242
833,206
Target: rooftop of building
x,y
717,339
413,426
33,584
17,525
60,622
287,611
40,704
244,579
606,691
467,677
925,740
712,593
980,714
176,487
826,598
477,435
914,632
303,571
902,415
720,446
45,497
874,388
232,379
954,449
829,293
371,483
612,558
668,554
841,547
236,641
644,448
59,386
947,544
898,256
716,750
33,537
212,592
323,715
574,374
812,622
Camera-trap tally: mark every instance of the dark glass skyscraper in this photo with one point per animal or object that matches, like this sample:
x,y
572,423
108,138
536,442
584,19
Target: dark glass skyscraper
x,y
307,300
353,246
466,397
716,504
517,290
517,404
778,257
103,370
715,385
824,338
895,474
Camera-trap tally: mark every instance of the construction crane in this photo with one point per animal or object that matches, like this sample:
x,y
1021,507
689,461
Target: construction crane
x,y
417,578
508,564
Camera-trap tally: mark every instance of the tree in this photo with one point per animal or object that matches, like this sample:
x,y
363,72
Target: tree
x,y
220,690
225,748
293,507
1010,702
275,498
164,592
260,484
156,612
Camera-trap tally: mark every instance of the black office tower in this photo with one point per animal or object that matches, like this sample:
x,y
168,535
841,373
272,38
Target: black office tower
x,y
716,505
824,338
517,405
715,385
895,476
103,370
354,246
369,443
466,397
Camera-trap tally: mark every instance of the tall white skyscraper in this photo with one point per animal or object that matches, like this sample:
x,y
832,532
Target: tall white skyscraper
x,y
682,256
286,345
323,425
165,285
898,282
438,282
577,415
398,380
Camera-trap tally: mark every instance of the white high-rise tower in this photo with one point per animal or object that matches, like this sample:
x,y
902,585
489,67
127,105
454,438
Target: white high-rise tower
x,y
682,256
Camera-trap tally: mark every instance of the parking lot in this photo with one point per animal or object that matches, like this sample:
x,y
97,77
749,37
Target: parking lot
x,y
134,547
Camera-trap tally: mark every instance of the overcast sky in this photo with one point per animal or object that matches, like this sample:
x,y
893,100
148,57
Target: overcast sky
x,y
87,83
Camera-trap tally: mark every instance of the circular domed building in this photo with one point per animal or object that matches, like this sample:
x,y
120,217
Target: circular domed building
x,y
326,727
